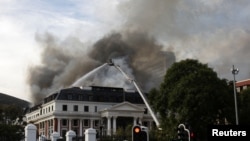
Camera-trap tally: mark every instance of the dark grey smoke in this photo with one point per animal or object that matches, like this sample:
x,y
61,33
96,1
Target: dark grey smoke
x,y
138,54
214,32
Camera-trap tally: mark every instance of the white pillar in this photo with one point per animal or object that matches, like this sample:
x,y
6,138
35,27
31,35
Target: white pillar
x,y
80,127
54,136
109,126
69,124
42,138
135,121
91,123
90,134
69,135
59,125
30,132
114,124
140,122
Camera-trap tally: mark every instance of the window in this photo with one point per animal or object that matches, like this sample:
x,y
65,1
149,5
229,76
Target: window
x,y
64,131
51,122
75,108
65,107
86,122
96,123
40,126
80,97
86,108
75,130
145,111
90,98
69,97
95,108
75,122
64,122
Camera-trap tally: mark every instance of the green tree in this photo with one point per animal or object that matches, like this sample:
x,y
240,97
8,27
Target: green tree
x,y
11,132
244,107
192,93
8,116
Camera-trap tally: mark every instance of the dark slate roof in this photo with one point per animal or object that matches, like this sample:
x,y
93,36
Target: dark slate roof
x,y
99,94
96,94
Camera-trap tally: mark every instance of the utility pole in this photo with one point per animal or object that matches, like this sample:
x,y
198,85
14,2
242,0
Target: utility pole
x,y
234,72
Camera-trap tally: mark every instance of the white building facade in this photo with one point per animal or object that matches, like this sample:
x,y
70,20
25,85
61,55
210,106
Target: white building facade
x,y
103,108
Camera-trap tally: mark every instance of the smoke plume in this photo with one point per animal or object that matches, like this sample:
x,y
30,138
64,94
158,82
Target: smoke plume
x,y
138,54
154,34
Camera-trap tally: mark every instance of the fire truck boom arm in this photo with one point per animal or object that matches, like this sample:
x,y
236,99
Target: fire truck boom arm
x,y
141,94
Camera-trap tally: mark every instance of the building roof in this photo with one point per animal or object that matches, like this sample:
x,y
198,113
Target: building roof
x,y
245,82
94,94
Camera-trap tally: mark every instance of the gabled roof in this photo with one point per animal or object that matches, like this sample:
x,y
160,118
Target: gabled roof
x,y
124,109
125,106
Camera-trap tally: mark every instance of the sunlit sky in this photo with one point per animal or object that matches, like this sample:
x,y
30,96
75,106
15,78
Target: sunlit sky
x,y
21,20
204,30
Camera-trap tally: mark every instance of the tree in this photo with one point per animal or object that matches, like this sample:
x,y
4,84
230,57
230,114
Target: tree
x,y
244,107
192,93
9,130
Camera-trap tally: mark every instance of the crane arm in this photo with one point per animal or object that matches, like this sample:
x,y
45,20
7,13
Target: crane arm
x,y
141,94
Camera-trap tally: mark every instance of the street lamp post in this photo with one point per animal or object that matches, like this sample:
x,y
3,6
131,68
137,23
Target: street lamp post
x,y
234,72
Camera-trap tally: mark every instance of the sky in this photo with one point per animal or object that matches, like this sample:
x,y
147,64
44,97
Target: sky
x,y
21,21
216,32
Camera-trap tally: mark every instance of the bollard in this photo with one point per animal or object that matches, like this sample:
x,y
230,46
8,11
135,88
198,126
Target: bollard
x,y
90,134
69,135
54,136
42,138
30,132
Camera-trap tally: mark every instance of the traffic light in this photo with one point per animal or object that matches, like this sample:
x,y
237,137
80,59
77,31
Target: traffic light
x,y
180,133
192,136
140,133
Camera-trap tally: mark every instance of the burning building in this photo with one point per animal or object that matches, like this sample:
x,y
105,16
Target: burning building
x,y
103,108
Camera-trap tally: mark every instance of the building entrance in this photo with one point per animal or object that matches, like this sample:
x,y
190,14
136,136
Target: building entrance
x,y
123,122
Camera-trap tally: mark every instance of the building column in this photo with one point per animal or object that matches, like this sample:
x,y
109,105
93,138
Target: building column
x,y
109,125
69,124
46,128
135,118
91,123
59,126
55,125
80,127
114,124
140,121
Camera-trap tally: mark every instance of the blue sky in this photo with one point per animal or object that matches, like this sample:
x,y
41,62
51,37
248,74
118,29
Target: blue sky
x,y
216,32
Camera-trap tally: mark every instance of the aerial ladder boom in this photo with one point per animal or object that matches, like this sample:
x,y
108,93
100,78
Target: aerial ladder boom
x,y
140,92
